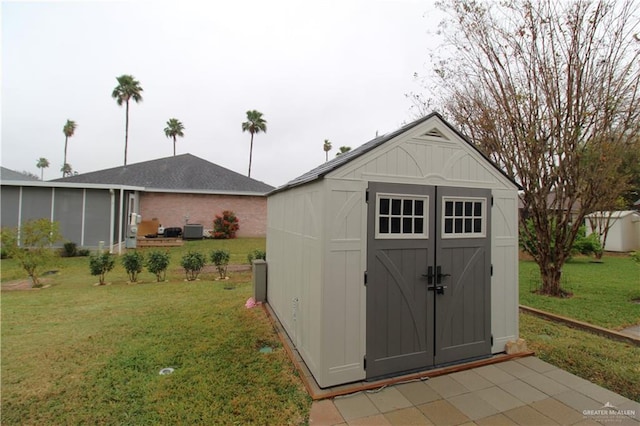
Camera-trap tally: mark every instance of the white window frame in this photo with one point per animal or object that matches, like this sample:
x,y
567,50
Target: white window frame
x,y
400,236
483,217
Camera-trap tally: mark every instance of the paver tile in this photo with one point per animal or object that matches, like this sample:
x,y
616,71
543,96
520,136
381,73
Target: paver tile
x,y
558,411
526,416
630,405
569,380
355,406
471,380
324,413
536,364
442,412
494,374
523,391
545,384
601,394
446,386
578,401
407,417
588,422
377,420
472,405
418,392
389,399
499,399
515,368
496,420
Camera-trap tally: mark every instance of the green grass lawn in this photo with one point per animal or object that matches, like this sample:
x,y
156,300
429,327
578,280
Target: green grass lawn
x,y
76,353
609,363
603,293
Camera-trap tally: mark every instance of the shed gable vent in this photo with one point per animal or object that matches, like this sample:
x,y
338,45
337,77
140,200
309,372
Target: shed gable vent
x,y
434,134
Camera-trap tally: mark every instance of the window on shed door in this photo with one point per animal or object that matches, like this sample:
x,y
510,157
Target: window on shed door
x,y
401,216
463,217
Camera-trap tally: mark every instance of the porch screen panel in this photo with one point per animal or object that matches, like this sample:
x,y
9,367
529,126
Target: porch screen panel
x,y
97,217
67,211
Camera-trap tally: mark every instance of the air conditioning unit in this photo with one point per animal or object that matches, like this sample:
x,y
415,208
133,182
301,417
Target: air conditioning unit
x,y
193,232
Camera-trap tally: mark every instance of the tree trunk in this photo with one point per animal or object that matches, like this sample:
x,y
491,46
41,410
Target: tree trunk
x,y
250,154
174,146
64,173
126,133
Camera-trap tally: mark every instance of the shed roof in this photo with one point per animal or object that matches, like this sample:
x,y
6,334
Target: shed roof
x,y
181,173
614,214
342,159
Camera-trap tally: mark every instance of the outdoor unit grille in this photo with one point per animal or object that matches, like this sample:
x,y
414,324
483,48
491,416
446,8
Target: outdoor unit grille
x,y
193,232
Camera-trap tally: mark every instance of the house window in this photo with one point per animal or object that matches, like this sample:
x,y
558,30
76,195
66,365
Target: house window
x,y
463,217
401,216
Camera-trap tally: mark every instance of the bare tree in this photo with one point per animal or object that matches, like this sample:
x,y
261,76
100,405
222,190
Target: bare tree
x,y
542,86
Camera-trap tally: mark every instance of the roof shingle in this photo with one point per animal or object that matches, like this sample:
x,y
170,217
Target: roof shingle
x,y
183,172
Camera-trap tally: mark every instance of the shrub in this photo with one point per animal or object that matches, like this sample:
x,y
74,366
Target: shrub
x,y
221,258
636,256
256,254
582,244
83,252
100,264
157,263
225,226
193,262
34,252
587,245
69,249
133,261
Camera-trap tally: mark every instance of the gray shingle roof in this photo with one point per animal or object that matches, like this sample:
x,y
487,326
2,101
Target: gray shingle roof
x,y
184,172
320,171
342,159
8,174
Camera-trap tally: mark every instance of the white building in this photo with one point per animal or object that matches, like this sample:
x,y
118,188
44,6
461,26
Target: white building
x,y
624,231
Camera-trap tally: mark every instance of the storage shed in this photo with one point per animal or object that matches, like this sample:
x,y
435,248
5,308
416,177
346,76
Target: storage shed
x,y
624,229
400,255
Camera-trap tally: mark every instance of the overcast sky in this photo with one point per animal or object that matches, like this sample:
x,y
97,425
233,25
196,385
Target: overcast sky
x,y
336,70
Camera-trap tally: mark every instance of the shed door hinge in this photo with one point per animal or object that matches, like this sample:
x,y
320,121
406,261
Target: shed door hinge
x,y
491,270
366,196
492,201
365,278
492,340
364,362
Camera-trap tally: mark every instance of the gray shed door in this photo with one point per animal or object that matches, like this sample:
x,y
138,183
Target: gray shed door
x,y
428,277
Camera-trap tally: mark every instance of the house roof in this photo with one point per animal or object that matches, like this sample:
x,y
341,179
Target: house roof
x,y
342,159
181,173
614,214
8,174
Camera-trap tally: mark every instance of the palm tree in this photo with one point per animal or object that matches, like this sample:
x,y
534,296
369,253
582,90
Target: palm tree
x,y
66,170
343,149
128,88
174,129
327,148
42,164
254,124
69,129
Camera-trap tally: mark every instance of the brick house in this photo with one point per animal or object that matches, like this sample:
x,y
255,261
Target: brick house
x,y
186,189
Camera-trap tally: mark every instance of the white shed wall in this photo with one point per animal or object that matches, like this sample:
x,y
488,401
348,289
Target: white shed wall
x,y
624,231
344,298
295,274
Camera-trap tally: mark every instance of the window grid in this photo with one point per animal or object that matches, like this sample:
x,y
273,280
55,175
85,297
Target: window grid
x,y
463,217
401,216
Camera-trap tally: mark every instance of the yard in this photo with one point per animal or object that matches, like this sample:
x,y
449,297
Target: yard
x,y
79,353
